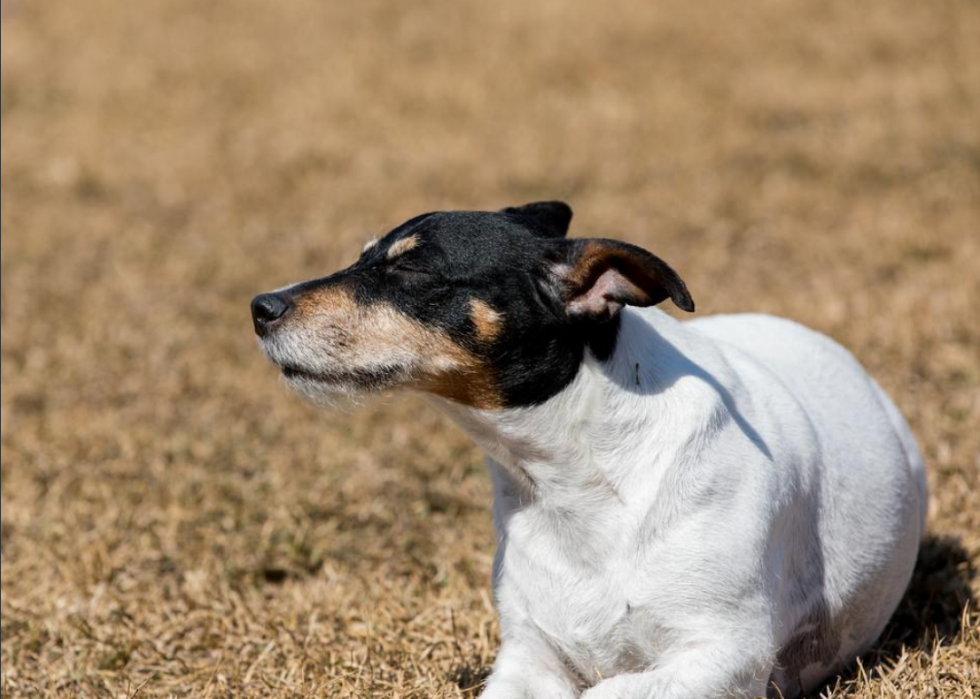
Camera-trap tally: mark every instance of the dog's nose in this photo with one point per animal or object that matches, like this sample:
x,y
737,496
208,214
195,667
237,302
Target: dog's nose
x,y
267,309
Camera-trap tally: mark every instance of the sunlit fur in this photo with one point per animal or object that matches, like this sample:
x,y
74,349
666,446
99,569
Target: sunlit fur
x,y
701,515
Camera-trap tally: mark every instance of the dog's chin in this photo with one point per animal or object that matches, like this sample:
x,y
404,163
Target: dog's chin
x,y
340,390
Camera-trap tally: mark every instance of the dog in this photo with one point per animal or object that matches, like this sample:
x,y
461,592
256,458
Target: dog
x,y
724,507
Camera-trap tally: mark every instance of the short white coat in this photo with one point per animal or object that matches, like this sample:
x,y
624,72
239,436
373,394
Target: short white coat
x,y
724,505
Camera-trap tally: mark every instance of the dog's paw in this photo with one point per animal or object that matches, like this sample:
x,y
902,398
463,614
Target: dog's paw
x,y
629,687
541,687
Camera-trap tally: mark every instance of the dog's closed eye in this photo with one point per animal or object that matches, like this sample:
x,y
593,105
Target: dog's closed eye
x,y
408,267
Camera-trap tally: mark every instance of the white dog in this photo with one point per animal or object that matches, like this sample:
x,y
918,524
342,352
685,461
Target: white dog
x,y
726,507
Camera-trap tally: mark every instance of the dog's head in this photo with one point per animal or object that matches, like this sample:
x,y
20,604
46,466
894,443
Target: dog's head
x,y
488,309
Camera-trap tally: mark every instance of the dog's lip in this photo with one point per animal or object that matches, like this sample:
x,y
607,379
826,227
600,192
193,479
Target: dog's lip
x,y
295,372
366,378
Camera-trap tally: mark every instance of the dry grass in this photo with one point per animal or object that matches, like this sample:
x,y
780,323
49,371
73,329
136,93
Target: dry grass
x,y
175,523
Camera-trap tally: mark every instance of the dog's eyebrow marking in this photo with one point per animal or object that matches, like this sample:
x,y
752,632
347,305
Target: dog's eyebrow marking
x,y
369,244
400,247
487,321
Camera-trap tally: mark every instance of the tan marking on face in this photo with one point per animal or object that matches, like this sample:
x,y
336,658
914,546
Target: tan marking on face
x,y
369,244
400,247
356,336
474,386
488,322
326,301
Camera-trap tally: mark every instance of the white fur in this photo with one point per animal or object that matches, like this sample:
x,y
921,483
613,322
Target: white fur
x,y
680,513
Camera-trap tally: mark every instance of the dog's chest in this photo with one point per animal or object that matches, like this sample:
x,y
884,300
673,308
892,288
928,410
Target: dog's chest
x,y
588,604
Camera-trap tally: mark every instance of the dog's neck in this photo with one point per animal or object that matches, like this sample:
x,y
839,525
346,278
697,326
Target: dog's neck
x,y
589,440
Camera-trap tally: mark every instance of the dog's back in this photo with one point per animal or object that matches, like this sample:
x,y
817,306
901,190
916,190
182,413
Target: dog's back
x,y
866,546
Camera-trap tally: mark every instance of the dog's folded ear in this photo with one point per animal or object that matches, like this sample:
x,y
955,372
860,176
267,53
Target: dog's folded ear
x,y
549,219
601,276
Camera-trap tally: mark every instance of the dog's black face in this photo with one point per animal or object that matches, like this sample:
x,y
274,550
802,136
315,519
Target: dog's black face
x,y
489,309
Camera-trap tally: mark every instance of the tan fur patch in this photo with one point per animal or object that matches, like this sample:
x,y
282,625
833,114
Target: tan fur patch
x,y
488,322
595,257
358,336
325,301
369,244
400,247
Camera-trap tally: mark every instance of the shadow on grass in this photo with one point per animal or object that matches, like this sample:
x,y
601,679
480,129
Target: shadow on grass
x,y
471,677
931,610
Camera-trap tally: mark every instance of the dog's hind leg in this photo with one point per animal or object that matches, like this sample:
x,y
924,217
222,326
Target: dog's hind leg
x,y
913,456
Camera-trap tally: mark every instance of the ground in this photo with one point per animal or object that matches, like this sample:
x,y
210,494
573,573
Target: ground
x,y
175,523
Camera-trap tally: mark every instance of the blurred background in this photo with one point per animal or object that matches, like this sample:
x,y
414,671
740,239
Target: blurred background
x,y
174,523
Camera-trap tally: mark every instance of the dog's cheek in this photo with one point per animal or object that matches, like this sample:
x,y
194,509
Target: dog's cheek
x,y
476,387
439,364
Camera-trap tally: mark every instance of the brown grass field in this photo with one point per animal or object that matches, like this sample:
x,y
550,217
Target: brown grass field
x,y
175,523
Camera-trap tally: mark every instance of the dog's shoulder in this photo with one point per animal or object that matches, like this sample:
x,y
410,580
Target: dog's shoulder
x,y
779,342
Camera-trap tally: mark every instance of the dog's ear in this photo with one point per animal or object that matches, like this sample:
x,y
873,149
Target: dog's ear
x,y
601,276
549,219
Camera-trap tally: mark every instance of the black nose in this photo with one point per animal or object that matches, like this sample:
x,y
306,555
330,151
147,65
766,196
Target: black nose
x,y
267,309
